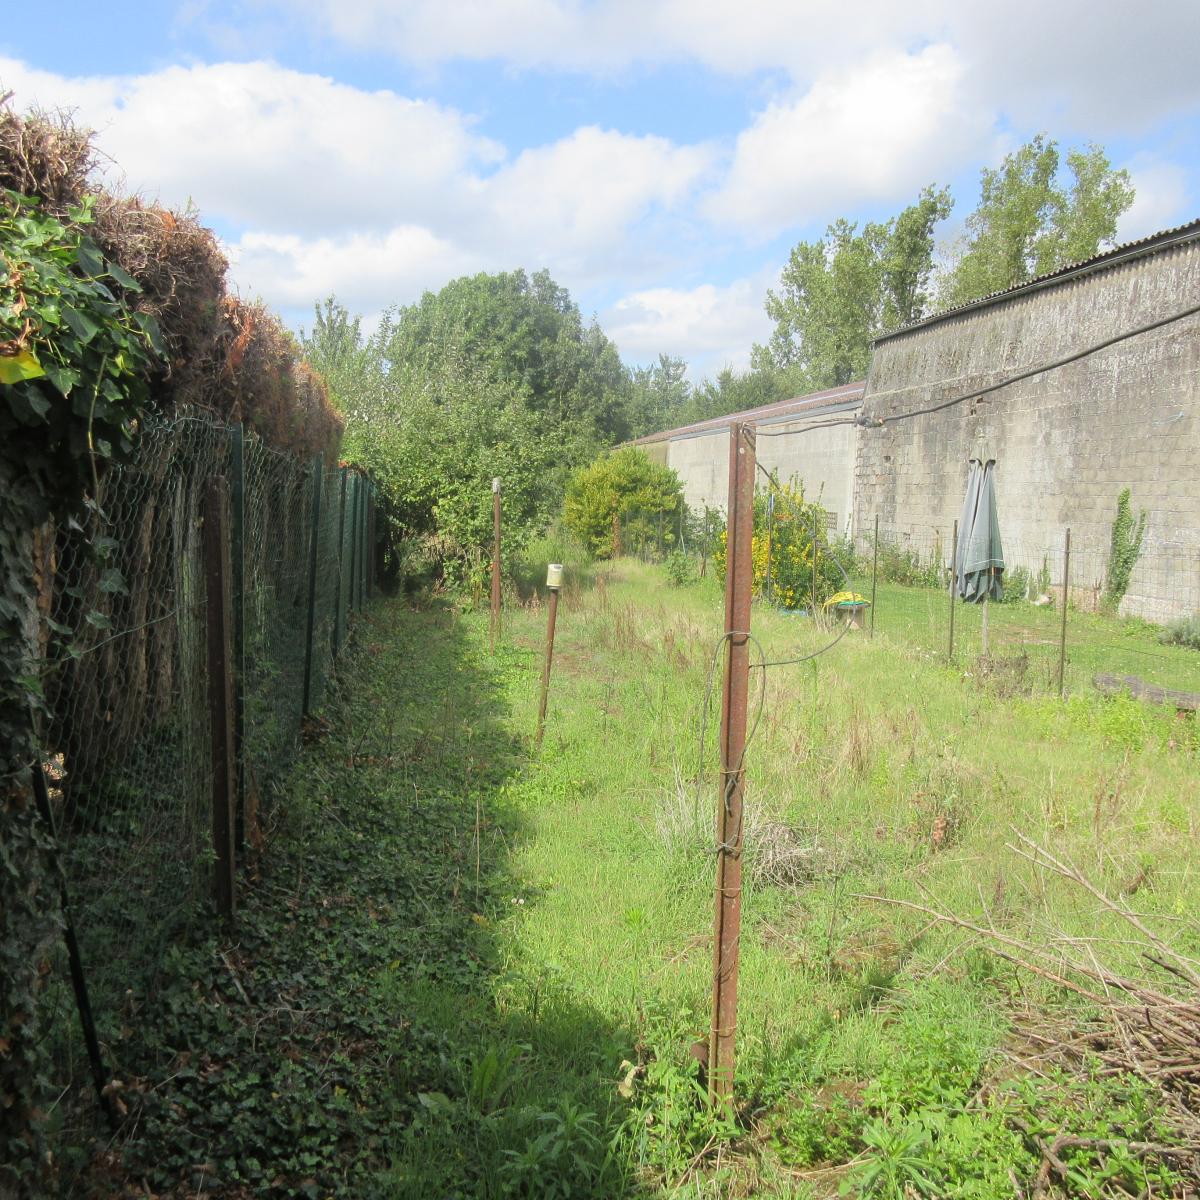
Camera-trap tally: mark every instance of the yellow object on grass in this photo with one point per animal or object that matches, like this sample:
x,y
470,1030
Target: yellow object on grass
x,y
845,600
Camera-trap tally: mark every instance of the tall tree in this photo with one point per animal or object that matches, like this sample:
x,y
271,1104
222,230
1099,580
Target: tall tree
x,y
1029,222
527,333
660,396
841,291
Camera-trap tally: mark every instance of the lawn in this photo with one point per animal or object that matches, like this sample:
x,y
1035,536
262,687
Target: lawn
x,y
469,968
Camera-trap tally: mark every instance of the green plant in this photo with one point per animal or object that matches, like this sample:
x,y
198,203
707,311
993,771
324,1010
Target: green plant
x,y
904,565
679,569
75,364
564,1156
793,562
624,503
901,1160
1127,537
1184,631
1018,583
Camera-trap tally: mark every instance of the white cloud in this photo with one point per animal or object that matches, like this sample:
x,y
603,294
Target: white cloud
x,y
376,269
1086,62
574,202
711,327
1162,198
330,187
259,144
874,133
611,35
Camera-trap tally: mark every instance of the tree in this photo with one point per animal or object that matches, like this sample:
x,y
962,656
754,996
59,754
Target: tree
x,y
527,334
1028,223
841,291
660,395
731,391
336,349
622,502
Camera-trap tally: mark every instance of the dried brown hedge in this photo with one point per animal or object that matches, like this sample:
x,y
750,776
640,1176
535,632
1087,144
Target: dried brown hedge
x,y
225,356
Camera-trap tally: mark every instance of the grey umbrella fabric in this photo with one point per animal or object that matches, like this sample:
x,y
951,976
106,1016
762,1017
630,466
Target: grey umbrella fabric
x,y
979,566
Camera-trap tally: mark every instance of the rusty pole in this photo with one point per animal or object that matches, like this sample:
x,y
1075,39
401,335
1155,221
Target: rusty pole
x,y
554,573
220,692
735,690
1062,640
495,626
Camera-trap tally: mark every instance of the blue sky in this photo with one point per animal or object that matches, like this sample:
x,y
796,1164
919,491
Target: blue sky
x,y
660,157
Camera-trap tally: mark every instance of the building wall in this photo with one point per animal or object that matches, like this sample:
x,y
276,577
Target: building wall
x,y
822,459
1065,442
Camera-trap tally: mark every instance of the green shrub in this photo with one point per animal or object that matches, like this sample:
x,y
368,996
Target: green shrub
x,y
1018,583
1183,632
805,570
904,565
679,569
624,504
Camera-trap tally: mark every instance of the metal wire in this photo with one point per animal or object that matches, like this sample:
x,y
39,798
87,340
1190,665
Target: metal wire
x,y
126,743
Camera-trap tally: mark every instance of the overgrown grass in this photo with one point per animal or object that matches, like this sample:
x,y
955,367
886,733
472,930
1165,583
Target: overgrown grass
x,y
470,970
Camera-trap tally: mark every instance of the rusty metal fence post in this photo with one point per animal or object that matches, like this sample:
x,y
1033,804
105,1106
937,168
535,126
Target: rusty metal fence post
x,y
1066,595
220,692
554,574
494,630
734,694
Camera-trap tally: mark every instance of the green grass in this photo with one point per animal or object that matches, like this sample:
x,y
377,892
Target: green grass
x,y
1096,644
470,969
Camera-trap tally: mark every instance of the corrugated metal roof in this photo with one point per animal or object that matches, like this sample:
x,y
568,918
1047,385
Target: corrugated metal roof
x,y
1152,244
814,402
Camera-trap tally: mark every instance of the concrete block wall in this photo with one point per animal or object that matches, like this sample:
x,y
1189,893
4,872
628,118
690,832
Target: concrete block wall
x,y
1065,442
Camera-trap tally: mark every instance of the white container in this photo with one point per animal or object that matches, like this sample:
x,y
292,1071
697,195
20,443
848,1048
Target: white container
x,y
554,575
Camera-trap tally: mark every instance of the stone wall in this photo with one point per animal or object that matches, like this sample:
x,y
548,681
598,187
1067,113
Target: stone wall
x,y
1065,442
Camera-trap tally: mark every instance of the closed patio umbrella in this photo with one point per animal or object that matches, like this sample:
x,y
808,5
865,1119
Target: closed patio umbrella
x,y
979,567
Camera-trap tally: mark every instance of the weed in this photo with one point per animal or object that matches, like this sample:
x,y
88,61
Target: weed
x,y
1183,632
679,568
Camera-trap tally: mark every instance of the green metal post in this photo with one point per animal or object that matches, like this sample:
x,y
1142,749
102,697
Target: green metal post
x,y
338,609
353,565
314,548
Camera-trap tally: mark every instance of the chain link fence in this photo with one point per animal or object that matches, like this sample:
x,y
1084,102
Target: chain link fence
x,y
133,710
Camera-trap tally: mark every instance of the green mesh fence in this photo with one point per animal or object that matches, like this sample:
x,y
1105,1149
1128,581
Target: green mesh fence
x,y
127,742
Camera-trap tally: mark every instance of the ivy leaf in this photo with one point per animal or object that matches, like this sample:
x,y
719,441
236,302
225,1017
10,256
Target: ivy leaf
x,y
81,324
98,620
90,258
16,368
63,378
29,406
123,277
113,582
149,326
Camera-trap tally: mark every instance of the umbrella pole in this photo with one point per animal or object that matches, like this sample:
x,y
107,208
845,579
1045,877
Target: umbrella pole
x,y
986,597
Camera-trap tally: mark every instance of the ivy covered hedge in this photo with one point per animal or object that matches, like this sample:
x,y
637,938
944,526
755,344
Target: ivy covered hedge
x,y
109,308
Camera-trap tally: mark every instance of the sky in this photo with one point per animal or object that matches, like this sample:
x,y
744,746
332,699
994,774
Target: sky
x,y
659,157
